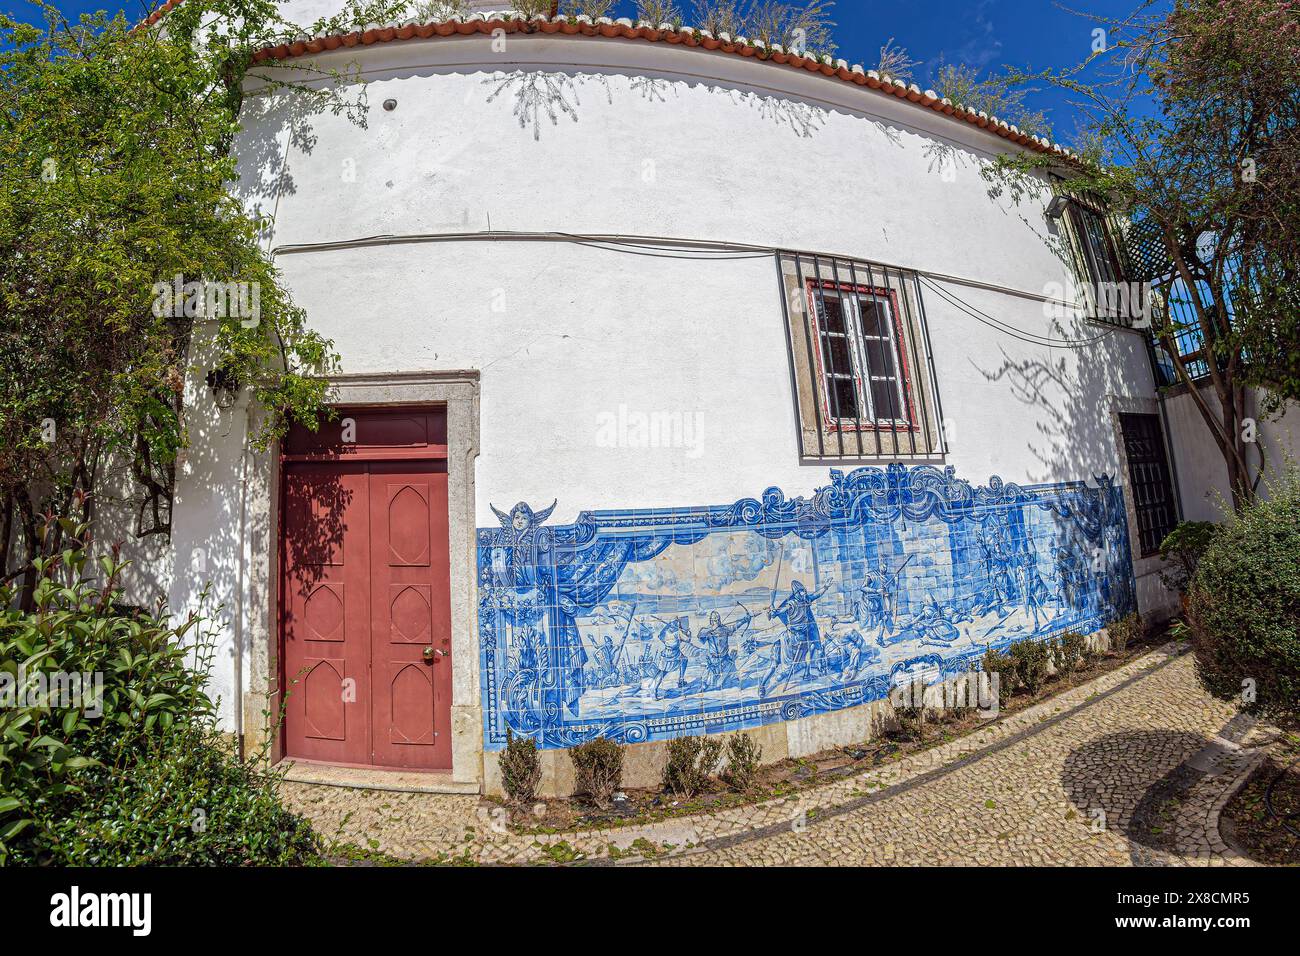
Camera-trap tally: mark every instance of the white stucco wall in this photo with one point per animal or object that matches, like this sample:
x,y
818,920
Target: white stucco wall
x,y
1203,477
676,144
647,140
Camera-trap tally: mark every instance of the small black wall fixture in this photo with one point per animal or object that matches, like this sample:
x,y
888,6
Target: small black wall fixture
x,y
225,386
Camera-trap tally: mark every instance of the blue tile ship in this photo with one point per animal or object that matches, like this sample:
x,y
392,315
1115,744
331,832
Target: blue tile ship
x,y
648,624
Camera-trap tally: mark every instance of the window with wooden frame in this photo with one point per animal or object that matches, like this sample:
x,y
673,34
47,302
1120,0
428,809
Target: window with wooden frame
x,y
1101,262
1098,262
860,357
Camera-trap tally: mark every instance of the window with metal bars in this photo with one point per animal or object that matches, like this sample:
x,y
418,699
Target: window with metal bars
x,y
863,383
860,357
1149,480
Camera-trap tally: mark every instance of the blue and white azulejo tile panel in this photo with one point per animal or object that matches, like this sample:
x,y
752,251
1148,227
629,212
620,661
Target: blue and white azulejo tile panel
x,y
649,624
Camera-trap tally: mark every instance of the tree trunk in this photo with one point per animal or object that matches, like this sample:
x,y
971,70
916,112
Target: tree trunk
x,y
1227,428
6,534
32,541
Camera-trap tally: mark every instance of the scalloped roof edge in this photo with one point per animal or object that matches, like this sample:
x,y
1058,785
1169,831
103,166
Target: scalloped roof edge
x,y
489,23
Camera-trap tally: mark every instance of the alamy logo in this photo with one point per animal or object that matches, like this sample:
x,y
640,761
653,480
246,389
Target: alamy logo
x,y
1129,302
75,909
978,692
208,300
83,689
632,428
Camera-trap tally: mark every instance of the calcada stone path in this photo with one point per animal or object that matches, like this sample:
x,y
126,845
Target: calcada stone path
x,y
1064,782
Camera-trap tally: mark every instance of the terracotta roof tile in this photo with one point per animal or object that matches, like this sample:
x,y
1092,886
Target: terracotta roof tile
x,y
487,23
160,12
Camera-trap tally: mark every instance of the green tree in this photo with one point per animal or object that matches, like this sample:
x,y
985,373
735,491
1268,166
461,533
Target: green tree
x,y
1191,126
115,186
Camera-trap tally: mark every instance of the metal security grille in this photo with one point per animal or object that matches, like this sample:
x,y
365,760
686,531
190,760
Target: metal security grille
x,y
1148,472
861,366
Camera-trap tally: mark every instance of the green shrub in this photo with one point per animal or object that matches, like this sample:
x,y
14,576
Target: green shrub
x,y
531,8
438,11
1029,660
995,662
1124,631
957,695
1244,609
1183,548
598,769
909,709
657,12
1071,649
521,768
743,760
691,762
130,770
183,801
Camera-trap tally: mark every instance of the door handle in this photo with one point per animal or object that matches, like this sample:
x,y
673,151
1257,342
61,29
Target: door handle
x,y
430,652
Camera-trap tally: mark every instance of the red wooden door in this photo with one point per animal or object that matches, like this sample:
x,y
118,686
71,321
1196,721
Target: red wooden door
x,y
326,617
367,617
410,631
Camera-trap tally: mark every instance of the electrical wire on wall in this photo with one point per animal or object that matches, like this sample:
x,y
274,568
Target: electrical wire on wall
x,y
1006,329
658,247
630,247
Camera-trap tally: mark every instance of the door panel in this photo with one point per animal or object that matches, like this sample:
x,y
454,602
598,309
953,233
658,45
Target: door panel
x,y
326,613
410,714
322,690
410,614
323,613
408,523
411,628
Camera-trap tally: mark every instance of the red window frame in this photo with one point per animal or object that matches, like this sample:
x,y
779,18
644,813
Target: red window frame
x,y
833,423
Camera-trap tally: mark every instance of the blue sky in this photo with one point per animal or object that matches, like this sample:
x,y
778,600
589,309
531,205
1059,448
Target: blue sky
x,y
985,34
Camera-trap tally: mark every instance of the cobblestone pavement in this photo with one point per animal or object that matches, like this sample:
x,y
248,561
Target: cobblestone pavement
x,y
1129,769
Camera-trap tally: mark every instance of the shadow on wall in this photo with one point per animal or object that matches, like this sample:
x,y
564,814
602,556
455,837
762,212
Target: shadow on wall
x,y
1070,390
541,94
1080,364
206,547
209,529
538,98
267,118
